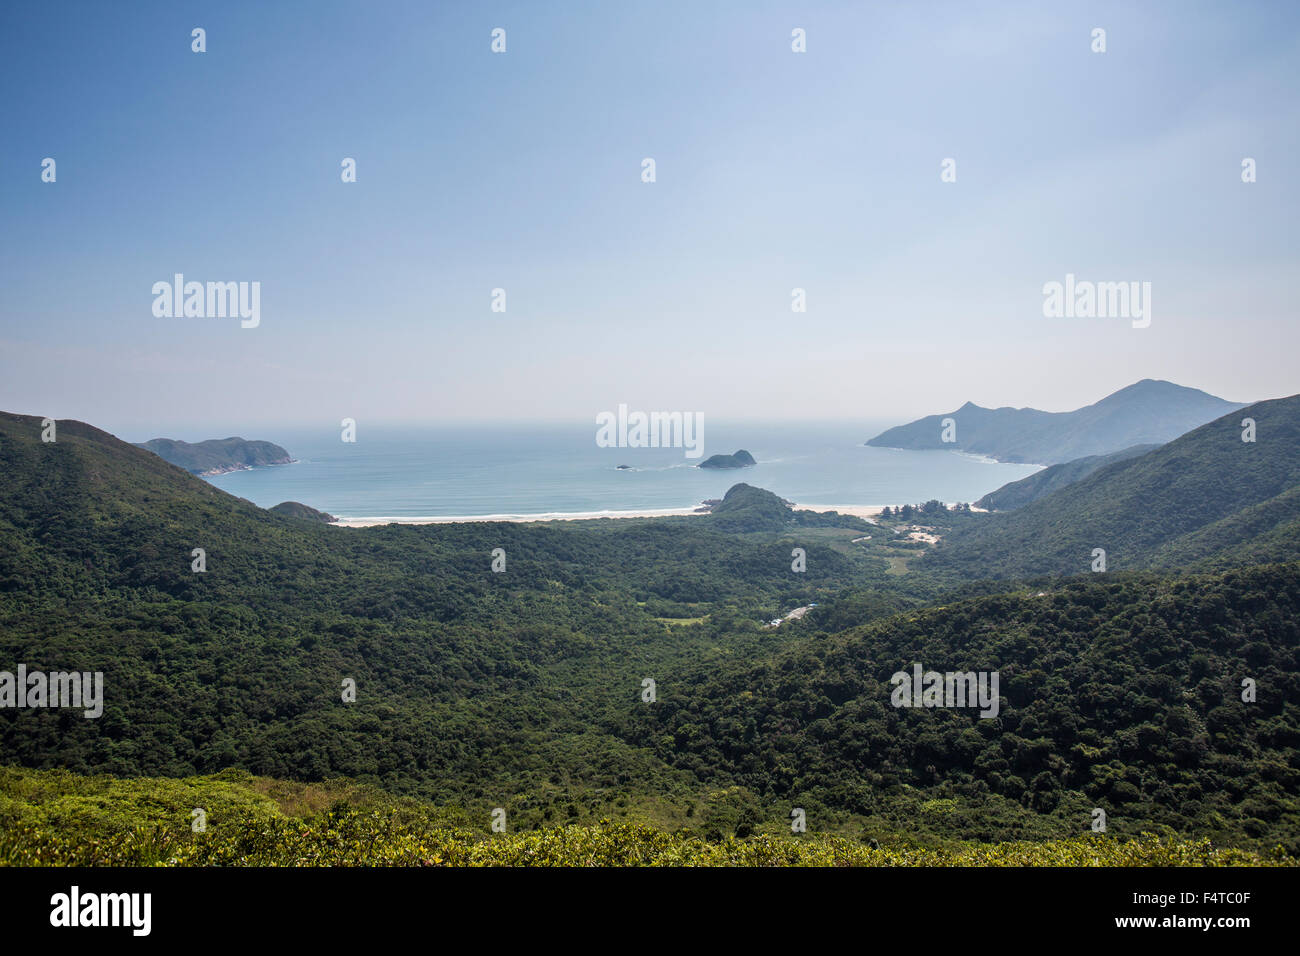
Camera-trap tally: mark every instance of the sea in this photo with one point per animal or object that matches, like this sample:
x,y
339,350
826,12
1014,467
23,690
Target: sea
x,y
518,470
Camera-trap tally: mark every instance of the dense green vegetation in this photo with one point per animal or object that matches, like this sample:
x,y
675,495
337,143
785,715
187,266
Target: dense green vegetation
x,y
469,682
1147,412
296,509
58,819
527,689
1053,478
1118,693
745,508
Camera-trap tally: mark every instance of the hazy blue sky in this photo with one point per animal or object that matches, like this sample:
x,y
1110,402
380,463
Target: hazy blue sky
x,y
775,170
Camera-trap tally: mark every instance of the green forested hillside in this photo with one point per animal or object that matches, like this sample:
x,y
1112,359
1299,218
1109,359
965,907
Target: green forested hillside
x,y
529,689
745,508
296,509
1120,693
1206,499
468,681
1016,494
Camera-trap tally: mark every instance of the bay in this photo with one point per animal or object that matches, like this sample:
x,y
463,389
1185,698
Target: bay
x,y
406,471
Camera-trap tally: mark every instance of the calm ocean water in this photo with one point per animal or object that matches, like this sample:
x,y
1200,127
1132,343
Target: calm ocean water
x,y
408,472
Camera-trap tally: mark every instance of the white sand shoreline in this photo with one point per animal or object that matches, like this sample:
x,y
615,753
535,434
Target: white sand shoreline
x,y
861,511
858,511
545,516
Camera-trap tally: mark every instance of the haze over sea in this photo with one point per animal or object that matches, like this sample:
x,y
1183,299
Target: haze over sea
x,y
523,469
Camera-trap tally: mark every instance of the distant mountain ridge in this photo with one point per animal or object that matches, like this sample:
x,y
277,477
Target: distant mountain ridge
x,y
1205,501
218,455
1147,412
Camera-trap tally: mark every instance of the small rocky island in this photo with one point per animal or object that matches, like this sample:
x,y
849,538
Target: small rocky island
x,y
217,456
741,459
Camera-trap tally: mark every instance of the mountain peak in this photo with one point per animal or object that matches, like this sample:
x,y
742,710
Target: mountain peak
x,y
1151,411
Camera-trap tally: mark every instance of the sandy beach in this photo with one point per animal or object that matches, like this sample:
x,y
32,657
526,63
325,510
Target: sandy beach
x,y
547,516
861,511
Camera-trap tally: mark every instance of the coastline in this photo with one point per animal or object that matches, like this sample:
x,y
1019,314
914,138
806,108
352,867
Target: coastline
x,y
364,522
231,469
972,455
860,511
857,511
